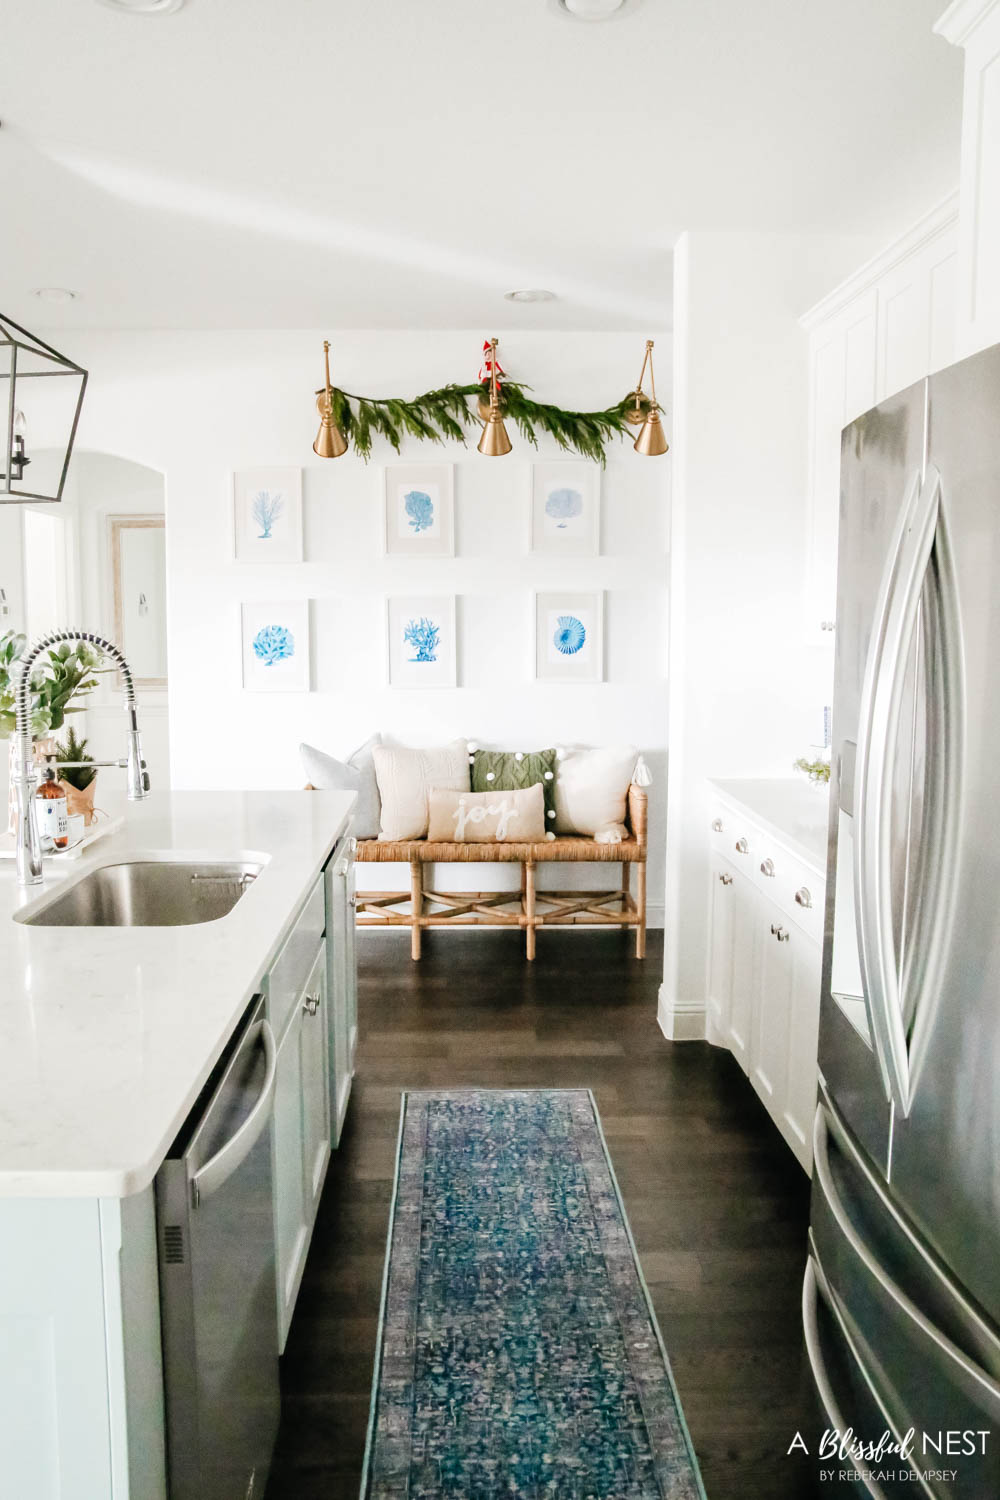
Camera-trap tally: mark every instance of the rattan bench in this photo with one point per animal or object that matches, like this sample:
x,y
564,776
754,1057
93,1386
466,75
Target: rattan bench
x,y
530,908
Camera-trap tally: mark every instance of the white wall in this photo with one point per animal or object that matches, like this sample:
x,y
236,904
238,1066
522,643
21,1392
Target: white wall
x,y
746,691
197,406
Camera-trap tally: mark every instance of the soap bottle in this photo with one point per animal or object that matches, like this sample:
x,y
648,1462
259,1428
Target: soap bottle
x,y
53,819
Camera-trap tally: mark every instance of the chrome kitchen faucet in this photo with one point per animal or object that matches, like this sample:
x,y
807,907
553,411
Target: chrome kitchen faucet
x,y
29,849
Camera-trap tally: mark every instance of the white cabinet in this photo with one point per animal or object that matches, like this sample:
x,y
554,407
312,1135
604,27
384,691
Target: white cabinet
x,y
889,325
316,1084
975,26
765,950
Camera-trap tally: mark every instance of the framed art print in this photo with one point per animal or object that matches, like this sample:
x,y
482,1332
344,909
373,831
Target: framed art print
x,y
419,510
569,637
267,515
421,639
276,647
565,508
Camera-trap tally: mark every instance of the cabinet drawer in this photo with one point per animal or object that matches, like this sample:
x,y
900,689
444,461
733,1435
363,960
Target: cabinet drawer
x,y
292,967
792,885
733,836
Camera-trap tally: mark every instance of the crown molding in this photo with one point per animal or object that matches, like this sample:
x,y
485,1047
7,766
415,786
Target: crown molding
x,y
961,18
941,217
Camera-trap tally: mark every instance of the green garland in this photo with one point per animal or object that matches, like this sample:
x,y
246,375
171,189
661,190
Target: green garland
x,y
445,414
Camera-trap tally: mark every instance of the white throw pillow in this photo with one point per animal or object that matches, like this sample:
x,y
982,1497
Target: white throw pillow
x,y
592,787
406,776
516,817
356,774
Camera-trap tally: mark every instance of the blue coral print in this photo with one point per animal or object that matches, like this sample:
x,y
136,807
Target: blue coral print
x,y
265,510
562,505
419,508
424,636
273,643
569,635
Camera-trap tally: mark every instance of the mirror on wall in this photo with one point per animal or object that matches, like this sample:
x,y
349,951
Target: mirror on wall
x,y
138,578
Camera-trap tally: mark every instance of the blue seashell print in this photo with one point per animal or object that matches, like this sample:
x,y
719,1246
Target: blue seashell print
x,y
569,636
273,643
420,508
563,505
424,636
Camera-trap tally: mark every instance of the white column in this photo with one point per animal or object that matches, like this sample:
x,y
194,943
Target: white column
x,y
745,687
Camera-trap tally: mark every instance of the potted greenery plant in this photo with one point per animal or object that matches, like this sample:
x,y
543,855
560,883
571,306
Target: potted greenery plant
x,y
59,677
79,782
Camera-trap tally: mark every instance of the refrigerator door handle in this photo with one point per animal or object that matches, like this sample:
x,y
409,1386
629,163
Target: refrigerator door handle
x,y
814,1353
973,1375
881,705
220,1167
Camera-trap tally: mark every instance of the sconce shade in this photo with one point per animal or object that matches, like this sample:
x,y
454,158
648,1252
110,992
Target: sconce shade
x,y
330,441
41,394
652,440
494,441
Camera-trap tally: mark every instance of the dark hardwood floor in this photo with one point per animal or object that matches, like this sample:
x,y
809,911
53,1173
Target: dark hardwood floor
x,y
717,1204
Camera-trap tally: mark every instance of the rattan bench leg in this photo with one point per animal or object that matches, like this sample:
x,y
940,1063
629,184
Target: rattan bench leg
x,y
640,901
416,905
529,907
626,887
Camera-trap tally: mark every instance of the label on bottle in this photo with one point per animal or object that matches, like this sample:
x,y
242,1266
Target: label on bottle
x,y
53,820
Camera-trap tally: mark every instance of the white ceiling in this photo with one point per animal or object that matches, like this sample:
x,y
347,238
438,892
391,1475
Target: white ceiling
x,y
402,163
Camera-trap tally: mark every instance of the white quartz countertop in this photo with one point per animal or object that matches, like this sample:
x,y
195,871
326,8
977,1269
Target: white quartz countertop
x,y
795,809
108,1034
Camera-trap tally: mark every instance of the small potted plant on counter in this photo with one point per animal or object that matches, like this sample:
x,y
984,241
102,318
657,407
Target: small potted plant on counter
x,y
79,782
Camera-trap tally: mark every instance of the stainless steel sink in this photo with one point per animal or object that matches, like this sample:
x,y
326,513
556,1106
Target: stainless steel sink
x,y
148,893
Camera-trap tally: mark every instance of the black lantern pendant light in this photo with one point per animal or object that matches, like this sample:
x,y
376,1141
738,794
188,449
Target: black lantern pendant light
x,y
40,404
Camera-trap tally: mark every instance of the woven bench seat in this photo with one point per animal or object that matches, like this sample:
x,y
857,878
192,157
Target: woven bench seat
x,y
568,847
528,908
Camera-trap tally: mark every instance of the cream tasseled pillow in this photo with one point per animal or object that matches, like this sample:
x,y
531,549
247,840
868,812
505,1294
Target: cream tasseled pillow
x,y
405,778
591,788
514,816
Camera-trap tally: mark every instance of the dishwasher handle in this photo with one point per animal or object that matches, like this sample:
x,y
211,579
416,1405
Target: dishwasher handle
x,y
220,1167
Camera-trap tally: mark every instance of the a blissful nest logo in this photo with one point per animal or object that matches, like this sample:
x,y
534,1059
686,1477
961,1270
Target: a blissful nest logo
x,y
884,1460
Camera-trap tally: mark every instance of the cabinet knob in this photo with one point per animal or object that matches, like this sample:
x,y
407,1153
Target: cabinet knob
x,y
827,624
767,867
726,878
803,897
311,1004
716,825
742,847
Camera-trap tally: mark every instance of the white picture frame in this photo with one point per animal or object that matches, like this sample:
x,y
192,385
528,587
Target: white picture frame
x,y
267,515
421,643
569,636
418,510
275,646
564,518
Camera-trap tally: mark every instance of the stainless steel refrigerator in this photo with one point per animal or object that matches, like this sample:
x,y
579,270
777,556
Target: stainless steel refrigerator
x,y
901,1302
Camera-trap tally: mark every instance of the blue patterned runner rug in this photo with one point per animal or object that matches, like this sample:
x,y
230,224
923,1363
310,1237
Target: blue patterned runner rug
x,y
518,1351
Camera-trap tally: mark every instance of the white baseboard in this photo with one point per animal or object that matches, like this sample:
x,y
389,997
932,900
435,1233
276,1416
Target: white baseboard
x,y
679,1023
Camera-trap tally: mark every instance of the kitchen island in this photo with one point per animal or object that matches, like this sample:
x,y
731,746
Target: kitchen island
x,y
108,1035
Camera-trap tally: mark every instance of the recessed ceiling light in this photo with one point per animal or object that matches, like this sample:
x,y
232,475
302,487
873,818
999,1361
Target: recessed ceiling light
x,y
55,294
145,7
591,10
530,294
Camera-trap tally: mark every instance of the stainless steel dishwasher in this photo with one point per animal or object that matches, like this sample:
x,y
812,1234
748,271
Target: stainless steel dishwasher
x,y
215,1234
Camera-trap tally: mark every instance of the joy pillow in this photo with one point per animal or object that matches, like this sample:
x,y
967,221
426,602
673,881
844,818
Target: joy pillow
x,y
486,817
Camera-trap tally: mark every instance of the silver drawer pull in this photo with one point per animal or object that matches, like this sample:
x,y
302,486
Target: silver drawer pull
x,y
803,897
716,825
767,867
726,878
780,933
742,847
311,1004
